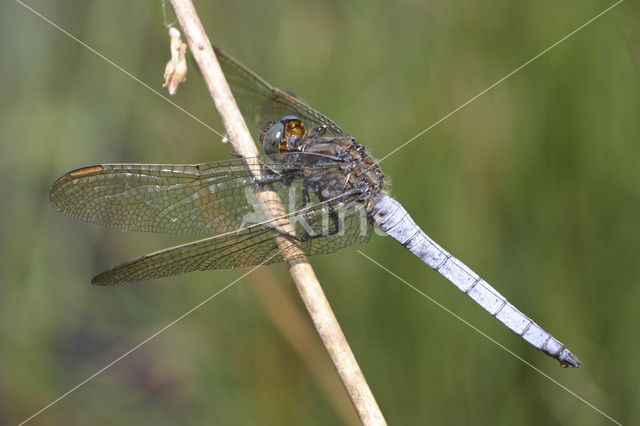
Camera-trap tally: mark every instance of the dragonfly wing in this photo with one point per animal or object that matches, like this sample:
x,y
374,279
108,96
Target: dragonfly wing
x,y
250,246
329,225
200,199
260,102
173,199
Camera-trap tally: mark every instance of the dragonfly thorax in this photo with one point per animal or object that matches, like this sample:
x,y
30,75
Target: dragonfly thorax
x,y
338,165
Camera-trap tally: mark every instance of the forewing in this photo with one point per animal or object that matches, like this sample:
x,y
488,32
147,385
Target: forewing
x,y
166,198
200,199
260,102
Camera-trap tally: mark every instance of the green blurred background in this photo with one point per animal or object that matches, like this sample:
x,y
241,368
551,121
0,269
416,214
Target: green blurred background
x,y
536,185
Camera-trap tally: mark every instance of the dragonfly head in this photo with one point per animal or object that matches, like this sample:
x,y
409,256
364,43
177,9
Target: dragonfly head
x,y
279,137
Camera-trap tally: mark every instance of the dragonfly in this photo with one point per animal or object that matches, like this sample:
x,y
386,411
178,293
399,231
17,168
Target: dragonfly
x,y
332,194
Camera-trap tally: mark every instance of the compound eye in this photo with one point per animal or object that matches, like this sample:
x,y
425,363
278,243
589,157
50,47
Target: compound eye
x,y
293,127
273,138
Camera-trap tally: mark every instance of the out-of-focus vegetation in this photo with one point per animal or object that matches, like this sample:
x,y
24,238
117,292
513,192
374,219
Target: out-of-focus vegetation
x,y
536,185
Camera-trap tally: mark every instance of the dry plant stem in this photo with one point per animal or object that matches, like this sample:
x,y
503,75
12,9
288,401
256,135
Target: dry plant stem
x,y
290,321
301,272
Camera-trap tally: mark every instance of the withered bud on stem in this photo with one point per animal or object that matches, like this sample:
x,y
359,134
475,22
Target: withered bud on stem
x,y
176,70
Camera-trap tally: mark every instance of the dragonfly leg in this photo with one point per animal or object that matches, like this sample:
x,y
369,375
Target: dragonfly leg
x,y
317,132
306,216
305,237
267,180
333,215
307,231
306,200
272,174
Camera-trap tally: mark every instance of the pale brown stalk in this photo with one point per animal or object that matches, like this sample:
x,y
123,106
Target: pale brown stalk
x,y
303,275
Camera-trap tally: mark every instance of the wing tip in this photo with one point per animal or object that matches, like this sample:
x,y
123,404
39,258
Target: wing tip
x,y
114,276
100,281
73,174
